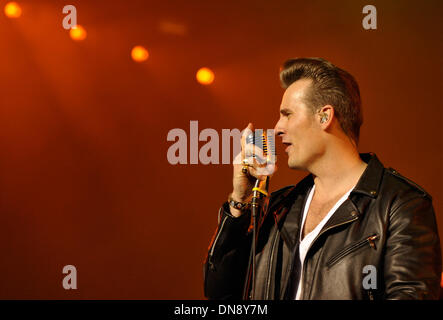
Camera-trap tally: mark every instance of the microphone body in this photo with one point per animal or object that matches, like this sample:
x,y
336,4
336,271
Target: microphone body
x,y
263,139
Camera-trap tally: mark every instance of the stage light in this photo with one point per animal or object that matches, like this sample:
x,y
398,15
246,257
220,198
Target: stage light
x,y
173,28
13,10
205,76
78,33
139,54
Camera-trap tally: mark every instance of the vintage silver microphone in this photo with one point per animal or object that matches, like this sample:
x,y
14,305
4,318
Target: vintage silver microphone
x,y
265,141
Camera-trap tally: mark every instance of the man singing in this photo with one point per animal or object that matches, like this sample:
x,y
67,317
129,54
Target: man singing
x,y
351,229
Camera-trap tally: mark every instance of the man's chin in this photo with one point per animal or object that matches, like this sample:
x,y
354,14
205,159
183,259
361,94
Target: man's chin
x,y
296,164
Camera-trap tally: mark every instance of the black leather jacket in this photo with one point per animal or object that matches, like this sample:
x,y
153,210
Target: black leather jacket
x,y
387,222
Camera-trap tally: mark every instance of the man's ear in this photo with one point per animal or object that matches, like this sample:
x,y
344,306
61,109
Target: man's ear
x,y
325,115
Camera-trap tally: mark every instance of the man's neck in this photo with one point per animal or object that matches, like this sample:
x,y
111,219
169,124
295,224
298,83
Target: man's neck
x,y
338,171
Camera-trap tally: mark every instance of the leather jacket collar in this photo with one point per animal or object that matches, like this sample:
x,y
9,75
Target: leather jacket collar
x,y
287,210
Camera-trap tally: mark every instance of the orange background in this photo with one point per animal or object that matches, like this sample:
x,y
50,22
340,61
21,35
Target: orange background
x,y
83,170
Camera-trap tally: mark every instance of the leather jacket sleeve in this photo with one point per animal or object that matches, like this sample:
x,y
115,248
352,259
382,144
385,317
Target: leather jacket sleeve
x,y
412,267
227,260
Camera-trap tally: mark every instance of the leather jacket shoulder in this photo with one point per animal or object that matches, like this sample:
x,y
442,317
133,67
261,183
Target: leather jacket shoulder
x,y
381,243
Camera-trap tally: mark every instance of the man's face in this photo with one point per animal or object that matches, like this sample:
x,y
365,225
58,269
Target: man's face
x,y
298,127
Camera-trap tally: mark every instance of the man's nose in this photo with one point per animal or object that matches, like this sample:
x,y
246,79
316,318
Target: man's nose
x,y
278,129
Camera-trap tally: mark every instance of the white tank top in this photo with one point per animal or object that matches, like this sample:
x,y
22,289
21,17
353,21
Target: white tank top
x,y
307,240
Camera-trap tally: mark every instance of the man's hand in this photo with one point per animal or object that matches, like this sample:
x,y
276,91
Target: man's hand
x,y
257,168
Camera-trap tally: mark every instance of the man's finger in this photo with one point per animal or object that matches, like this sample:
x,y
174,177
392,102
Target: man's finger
x,y
247,131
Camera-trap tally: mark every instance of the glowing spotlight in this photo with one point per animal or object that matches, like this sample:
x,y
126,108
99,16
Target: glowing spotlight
x,y
13,10
77,33
139,54
205,76
173,28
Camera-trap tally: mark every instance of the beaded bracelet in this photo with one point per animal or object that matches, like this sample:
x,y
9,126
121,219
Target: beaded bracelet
x,y
238,205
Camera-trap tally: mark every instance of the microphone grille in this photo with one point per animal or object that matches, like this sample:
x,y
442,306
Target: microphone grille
x,y
265,140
